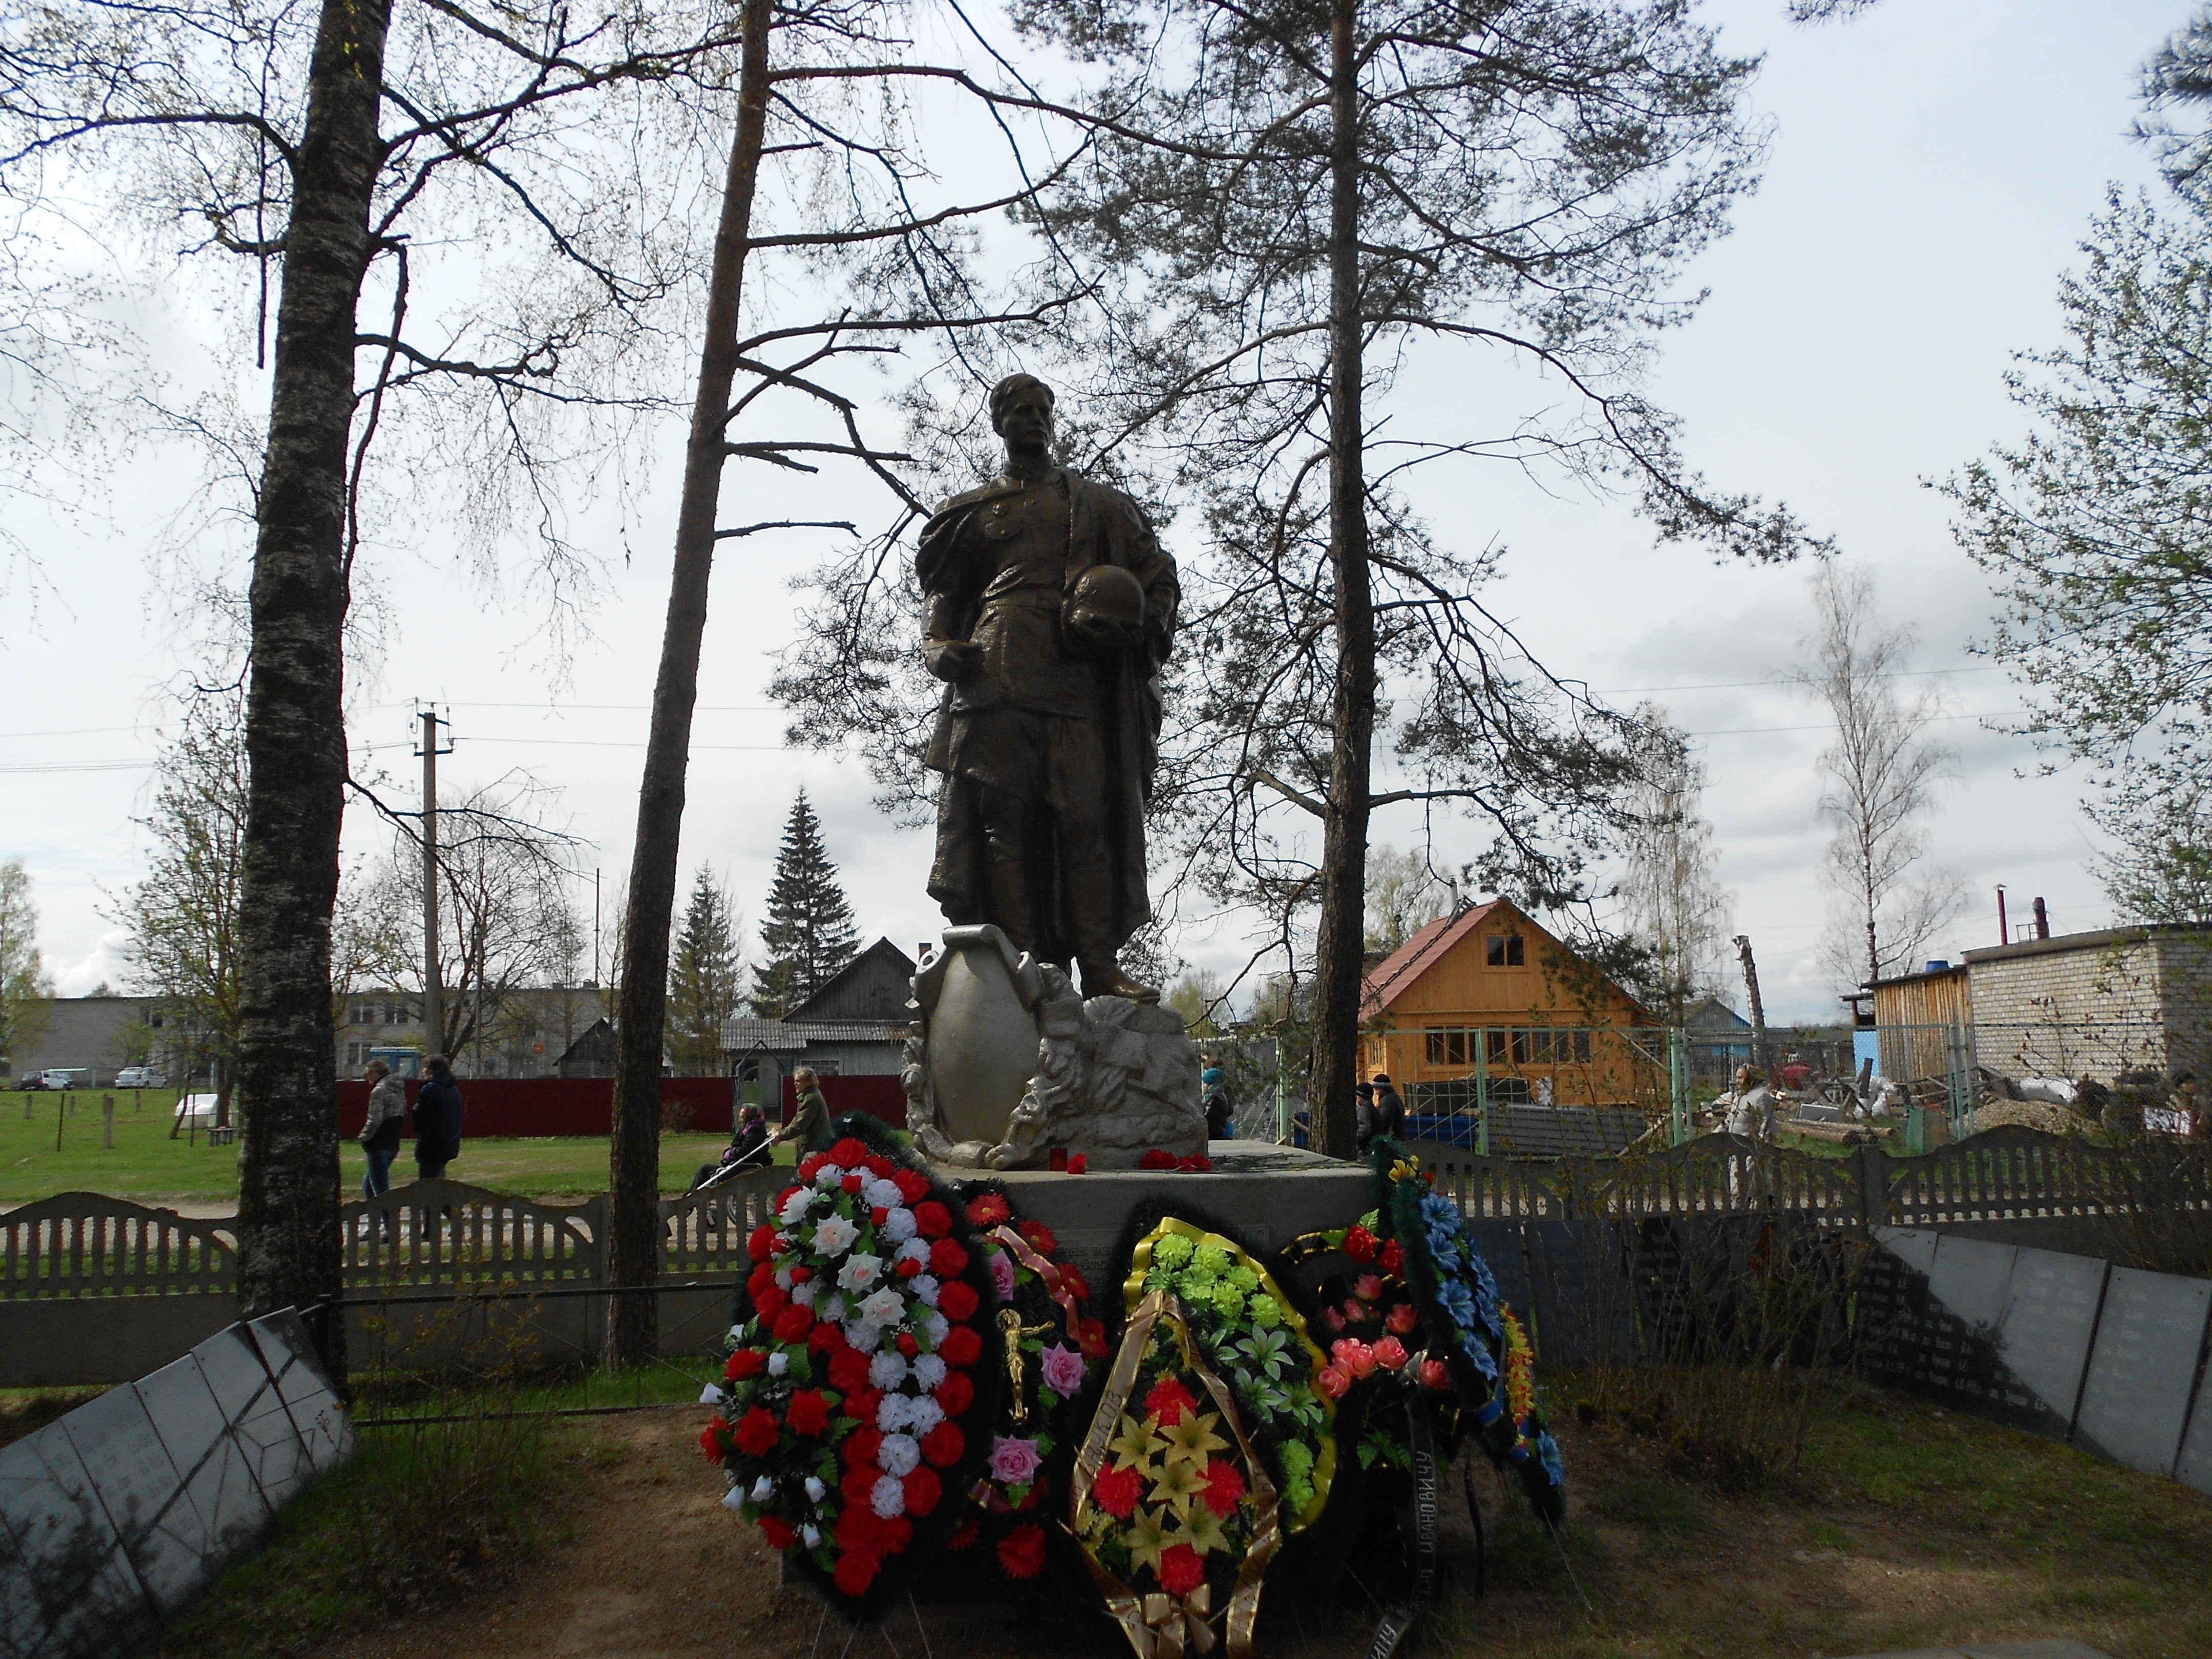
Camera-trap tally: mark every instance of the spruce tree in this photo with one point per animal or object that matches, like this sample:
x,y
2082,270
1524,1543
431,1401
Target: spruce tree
x,y
809,934
706,978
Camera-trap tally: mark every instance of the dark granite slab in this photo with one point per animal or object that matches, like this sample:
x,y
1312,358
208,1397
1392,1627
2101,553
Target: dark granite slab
x,y
2143,1368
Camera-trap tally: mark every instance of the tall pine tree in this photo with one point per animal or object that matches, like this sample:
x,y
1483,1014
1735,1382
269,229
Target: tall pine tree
x,y
706,978
809,934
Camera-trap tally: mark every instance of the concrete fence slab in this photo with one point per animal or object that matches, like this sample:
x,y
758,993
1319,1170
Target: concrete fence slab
x,y
2149,1338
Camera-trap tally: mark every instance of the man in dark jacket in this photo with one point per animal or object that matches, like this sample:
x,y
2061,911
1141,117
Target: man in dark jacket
x,y
437,1120
1387,1116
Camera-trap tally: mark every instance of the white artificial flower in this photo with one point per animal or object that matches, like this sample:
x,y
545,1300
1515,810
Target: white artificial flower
x,y
889,1498
827,1177
763,1488
734,1498
923,1415
892,1411
925,1286
883,1307
864,1337
831,1309
899,1454
914,1250
898,1225
815,1489
794,1208
883,1195
778,1363
804,1293
713,1396
936,1324
860,1272
783,1279
834,1235
929,1371
888,1368
812,1535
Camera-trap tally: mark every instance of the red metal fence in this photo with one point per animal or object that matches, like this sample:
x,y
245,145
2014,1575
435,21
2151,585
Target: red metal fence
x,y
548,1106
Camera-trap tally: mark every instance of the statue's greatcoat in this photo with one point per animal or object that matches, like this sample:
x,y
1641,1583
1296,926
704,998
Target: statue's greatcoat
x,y
994,565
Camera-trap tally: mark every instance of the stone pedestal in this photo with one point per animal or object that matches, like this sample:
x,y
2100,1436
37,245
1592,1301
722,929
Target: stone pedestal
x,y
1269,1195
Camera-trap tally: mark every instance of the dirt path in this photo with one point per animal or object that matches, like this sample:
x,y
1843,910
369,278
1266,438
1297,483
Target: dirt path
x,y
654,1568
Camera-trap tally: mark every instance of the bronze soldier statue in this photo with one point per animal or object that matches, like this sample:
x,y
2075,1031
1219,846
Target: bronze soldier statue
x,y
1049,608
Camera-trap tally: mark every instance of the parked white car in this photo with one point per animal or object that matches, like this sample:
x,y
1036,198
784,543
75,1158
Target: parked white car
x,y
63,1076
140,1077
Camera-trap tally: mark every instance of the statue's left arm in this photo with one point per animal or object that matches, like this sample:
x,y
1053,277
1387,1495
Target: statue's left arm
x,y
1132,544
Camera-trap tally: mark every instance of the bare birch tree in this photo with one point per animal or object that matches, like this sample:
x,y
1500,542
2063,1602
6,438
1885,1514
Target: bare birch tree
x,y
1880,777
1670,891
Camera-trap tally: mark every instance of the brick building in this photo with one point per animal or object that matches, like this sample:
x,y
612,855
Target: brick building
x,y
2094,1004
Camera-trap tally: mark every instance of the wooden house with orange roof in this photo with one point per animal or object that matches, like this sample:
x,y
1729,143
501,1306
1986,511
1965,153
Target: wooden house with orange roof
x,y
1488,1004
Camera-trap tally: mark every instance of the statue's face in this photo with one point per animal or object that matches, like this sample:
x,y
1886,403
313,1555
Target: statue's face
x,y
1026,422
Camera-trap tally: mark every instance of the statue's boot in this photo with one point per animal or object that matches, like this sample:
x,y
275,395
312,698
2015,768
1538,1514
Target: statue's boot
x,y
1105,979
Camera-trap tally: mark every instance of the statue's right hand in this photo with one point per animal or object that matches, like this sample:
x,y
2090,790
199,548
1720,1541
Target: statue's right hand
x,y
955,661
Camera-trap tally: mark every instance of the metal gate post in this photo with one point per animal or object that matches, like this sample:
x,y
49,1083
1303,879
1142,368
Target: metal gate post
x,y
1482,1093
1678,1085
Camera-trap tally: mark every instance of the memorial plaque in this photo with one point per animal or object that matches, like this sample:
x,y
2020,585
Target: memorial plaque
x,y
87,1591
1967,1295
2194,1467
325,1434
2051,1314
225,1503
143,1491
2143,1369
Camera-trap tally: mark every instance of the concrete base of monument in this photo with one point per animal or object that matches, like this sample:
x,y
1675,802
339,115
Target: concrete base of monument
x,y
1269,1195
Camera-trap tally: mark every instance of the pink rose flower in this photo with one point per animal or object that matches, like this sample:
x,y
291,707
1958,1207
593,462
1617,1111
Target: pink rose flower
x,y
1333,1381
1063,1370
1002,1275
1434,1375
1390,1354
1367,1287
1013,1462
1355,1310
1402,1319
1355,1356
1332,1319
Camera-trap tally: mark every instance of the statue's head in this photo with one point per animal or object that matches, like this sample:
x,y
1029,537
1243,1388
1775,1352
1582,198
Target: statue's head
x,y
1021,413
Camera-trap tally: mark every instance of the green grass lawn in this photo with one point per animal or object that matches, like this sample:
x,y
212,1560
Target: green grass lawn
x,y
148,1167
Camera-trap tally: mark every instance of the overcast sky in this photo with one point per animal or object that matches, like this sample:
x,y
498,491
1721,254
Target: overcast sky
x,y
1933,167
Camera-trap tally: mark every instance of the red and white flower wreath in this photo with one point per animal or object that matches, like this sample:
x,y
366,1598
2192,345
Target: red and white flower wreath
x,y
850,1401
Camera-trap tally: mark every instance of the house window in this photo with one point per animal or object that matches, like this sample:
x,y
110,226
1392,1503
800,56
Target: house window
x,y
353,1057
1451,1048
1504,950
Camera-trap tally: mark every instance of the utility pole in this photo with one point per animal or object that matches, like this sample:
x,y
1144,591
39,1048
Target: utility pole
x,y
434,989
1758,1008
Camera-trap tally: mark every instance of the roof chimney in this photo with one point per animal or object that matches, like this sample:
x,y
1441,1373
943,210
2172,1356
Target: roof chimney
x,y
2042,920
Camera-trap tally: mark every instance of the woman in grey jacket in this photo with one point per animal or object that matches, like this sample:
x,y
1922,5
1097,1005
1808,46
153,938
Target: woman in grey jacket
x,y
380,1131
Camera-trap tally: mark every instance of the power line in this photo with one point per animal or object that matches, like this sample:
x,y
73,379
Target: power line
x,y
1738,685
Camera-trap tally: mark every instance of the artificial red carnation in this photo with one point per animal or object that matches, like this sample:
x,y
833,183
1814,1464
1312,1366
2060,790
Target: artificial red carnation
x,y
1116,1492
908,1267
965,1535
878,1214
862,1446
853,1181
923,1489
858,1487
897,1534
1359,1245
1180,1571
849,1152
1090,1337
769,1301
792,1323
710,1440
858,1528
879,1166
761,1244
1196,1163
956,1394
1072,1281
958,1300
1078,1162
912,1185
1040,1238
744,1363
811,1166
943,1444
961,1347
826,1338
761,1278
778,1532
856,1571
1021,1552
784,1198
1168,1400
758,1433
809,1413
1157,1159
1392,1259
849,1370
906,1346
1224,1485
932,1219
861,1407
947,1259
990,1209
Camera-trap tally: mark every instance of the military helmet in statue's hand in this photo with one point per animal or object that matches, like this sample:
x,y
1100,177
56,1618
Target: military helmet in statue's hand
x,y
1104,611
